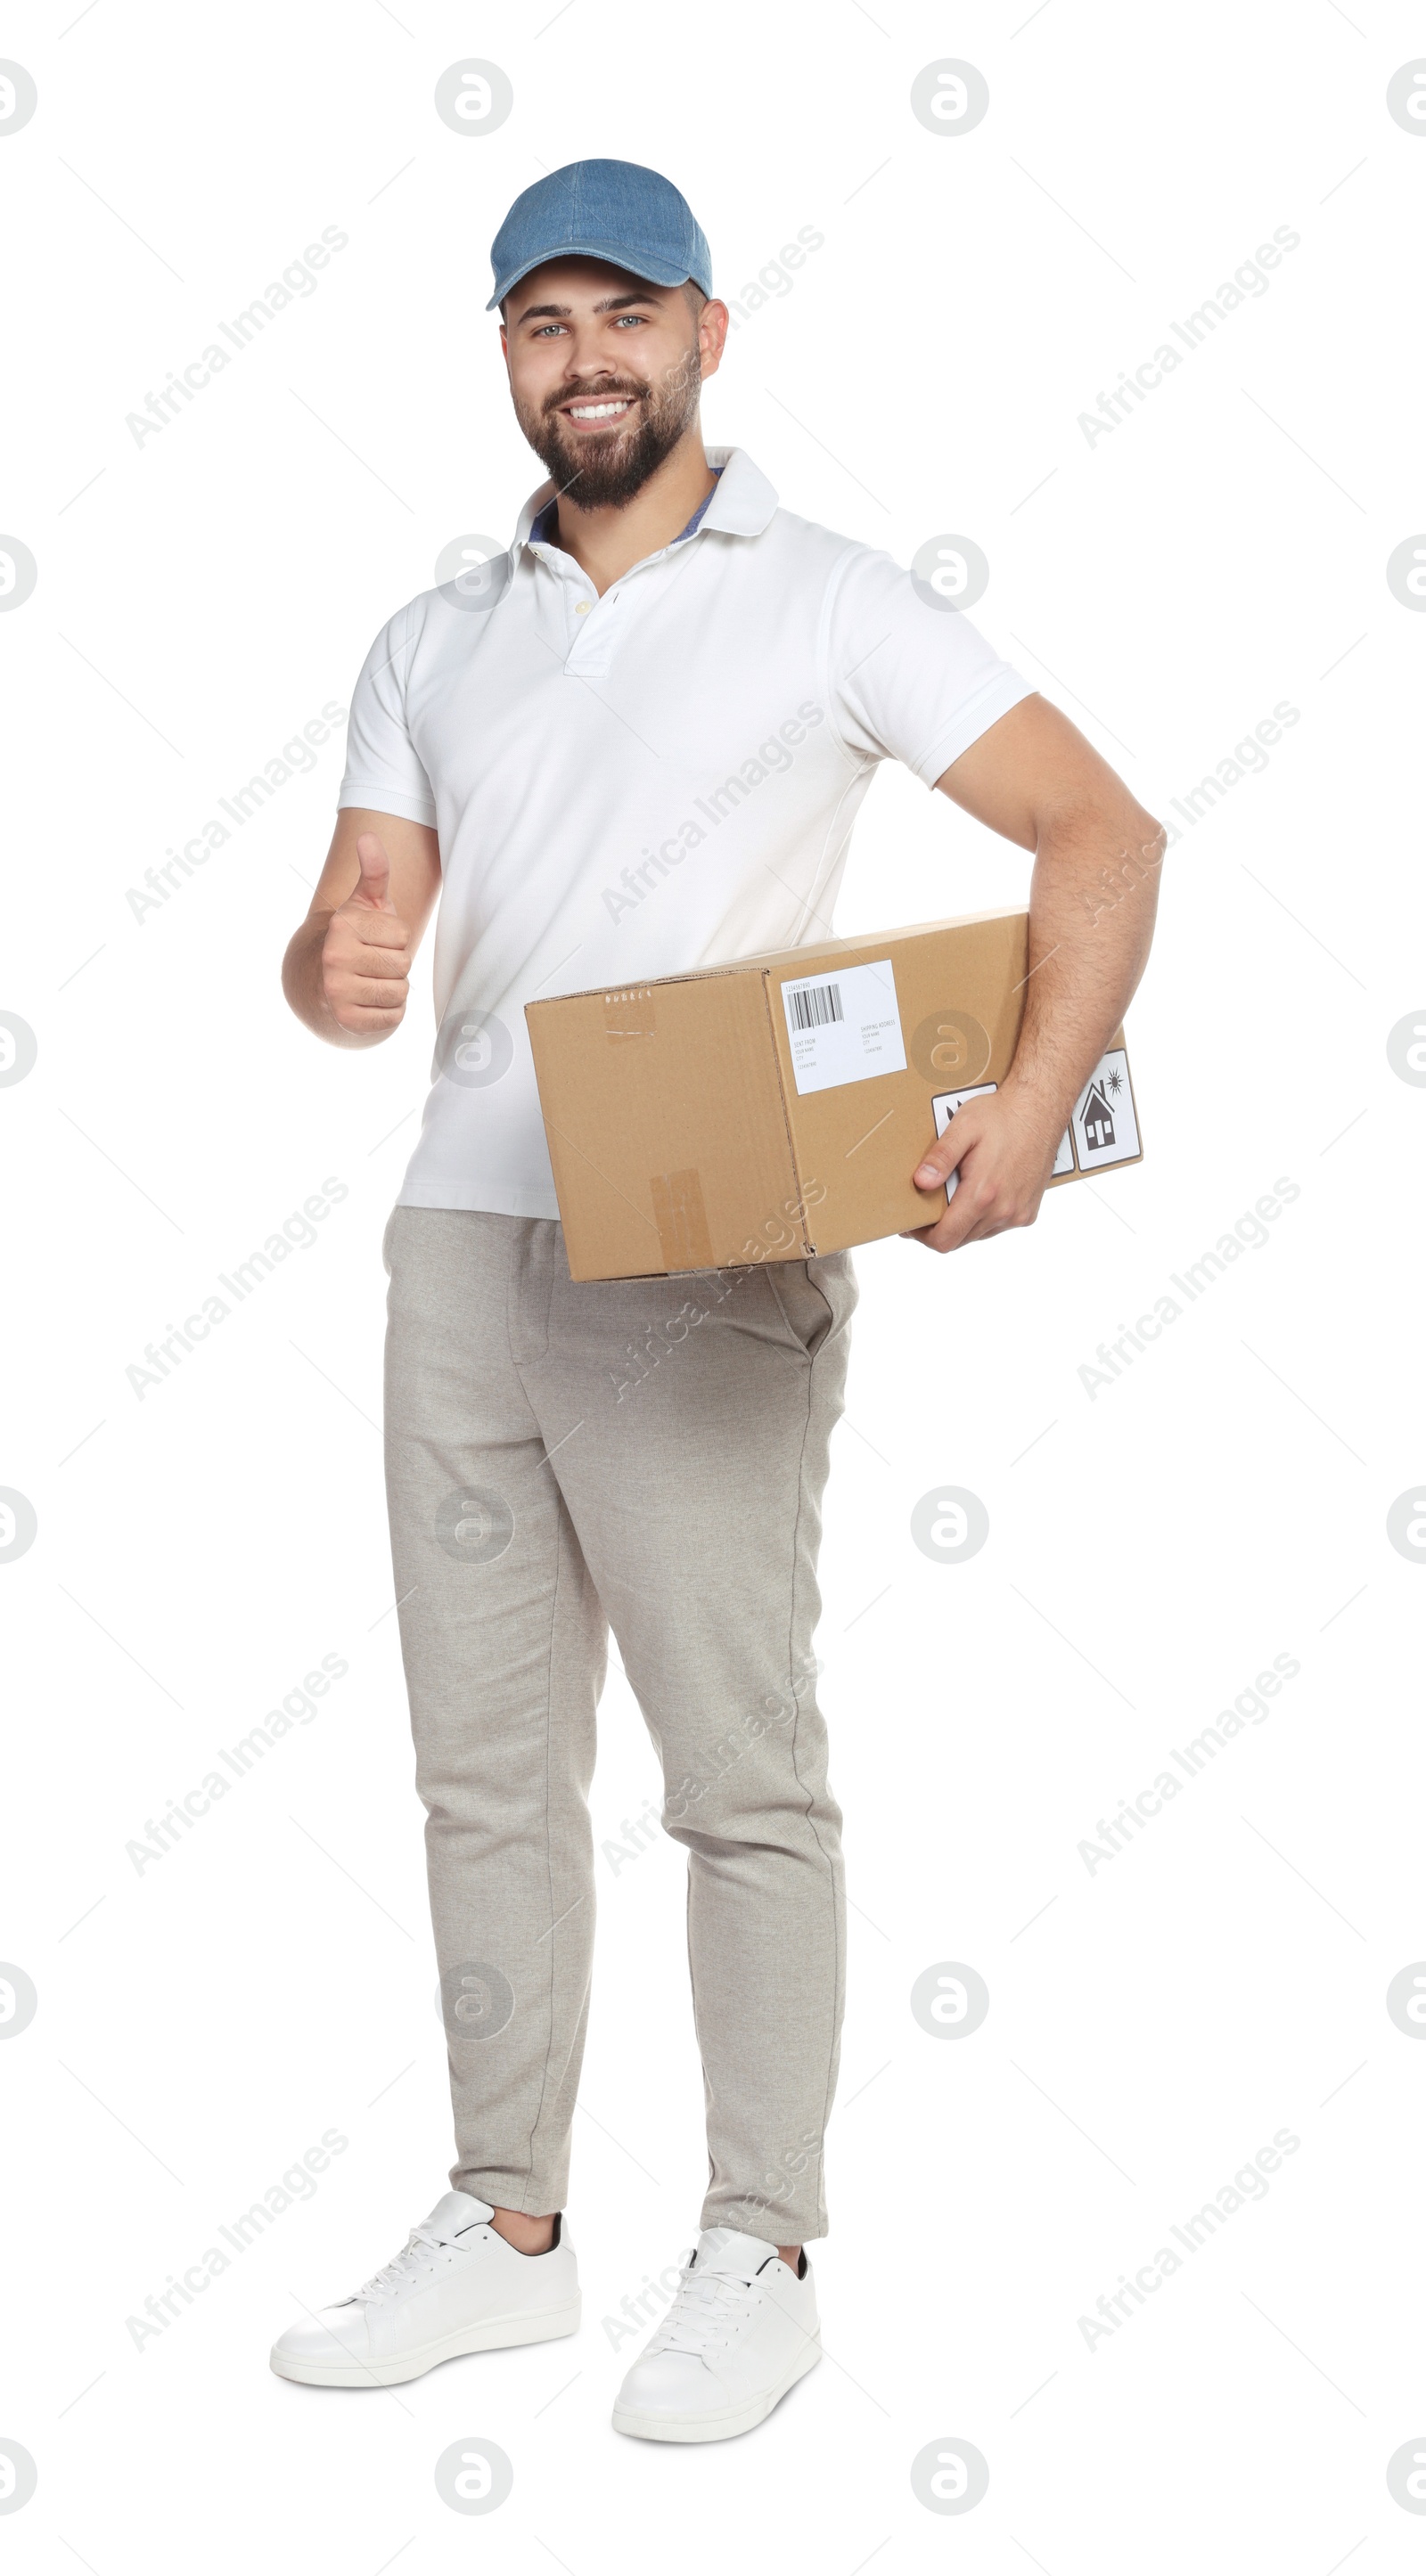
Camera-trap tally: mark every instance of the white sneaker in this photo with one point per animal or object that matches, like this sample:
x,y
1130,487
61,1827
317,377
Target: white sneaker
x,y
741,2330
456,2286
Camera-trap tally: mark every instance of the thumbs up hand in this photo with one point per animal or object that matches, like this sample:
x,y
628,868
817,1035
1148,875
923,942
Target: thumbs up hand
x,y
366,960
372,887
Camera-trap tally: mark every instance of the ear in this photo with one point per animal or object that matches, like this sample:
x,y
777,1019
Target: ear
x,y
712,335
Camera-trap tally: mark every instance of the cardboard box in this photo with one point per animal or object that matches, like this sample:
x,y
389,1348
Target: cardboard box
x,y
775,1109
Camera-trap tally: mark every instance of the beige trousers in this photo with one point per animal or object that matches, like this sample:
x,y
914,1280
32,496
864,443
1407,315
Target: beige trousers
x,y
649,1456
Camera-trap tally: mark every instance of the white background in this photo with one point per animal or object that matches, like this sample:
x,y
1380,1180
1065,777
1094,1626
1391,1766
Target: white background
x,y
1151,1547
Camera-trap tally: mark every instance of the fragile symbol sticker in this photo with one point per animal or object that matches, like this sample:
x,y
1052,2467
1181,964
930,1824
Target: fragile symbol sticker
x,y
843,1025
1104,1126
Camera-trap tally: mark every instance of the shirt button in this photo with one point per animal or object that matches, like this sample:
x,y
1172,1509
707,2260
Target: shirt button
x,y
583,609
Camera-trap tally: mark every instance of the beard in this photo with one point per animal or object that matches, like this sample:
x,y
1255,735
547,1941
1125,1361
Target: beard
x,y
603,470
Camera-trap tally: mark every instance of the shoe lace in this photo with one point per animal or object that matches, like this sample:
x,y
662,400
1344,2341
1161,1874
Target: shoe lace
x,y
416,2256
706,2307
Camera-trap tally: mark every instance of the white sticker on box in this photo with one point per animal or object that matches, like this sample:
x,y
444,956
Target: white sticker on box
x,y
943,1110
843,1026
1104,1126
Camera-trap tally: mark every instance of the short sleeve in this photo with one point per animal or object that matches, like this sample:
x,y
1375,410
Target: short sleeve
x,y
384,769
908,681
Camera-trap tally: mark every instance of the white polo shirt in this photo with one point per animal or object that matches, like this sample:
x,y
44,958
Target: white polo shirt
x,y
631,786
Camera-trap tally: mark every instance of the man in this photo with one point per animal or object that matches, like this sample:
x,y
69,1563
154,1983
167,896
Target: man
x,y
524,741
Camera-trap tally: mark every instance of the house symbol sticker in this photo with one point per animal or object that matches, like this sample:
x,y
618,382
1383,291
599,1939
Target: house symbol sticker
x,y
1097,1120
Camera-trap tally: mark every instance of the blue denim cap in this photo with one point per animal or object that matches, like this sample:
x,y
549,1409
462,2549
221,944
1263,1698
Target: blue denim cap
x,y
611,210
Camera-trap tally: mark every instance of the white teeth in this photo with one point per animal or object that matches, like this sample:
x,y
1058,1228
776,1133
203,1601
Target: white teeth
x,y
596,411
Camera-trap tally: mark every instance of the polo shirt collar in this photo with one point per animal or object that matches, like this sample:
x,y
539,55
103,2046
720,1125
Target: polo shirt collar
x,y
742,504
745,501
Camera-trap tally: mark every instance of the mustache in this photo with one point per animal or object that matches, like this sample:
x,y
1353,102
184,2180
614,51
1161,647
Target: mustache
x,y
596,393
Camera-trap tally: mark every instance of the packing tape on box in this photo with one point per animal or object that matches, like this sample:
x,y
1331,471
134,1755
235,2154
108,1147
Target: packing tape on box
x,y
682,1220
629,1013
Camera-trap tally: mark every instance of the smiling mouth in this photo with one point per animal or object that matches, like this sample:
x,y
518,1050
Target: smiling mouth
x,y
604,412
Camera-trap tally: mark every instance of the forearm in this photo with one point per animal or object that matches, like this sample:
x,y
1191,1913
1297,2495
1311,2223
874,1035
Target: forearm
x,y
303,986
1093,896
1033,778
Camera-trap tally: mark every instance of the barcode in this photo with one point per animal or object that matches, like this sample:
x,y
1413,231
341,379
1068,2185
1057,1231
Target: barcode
x,y
815,1004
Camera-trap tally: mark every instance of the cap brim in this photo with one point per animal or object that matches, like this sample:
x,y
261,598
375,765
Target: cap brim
x,y
657,272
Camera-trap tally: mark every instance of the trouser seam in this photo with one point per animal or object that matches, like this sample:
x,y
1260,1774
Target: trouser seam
x,y
549,1705
837,1927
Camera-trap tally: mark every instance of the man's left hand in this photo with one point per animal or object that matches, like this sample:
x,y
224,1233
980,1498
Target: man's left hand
x,y
1002,1148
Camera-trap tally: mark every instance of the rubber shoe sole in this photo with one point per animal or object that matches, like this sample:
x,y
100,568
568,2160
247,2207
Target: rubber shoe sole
x,y
716,2428
493,2334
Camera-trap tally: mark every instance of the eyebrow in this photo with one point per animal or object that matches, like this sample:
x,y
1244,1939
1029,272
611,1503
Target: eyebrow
x,y
606,304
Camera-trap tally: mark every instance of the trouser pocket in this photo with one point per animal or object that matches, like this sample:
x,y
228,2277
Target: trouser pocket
x,y
814,1298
